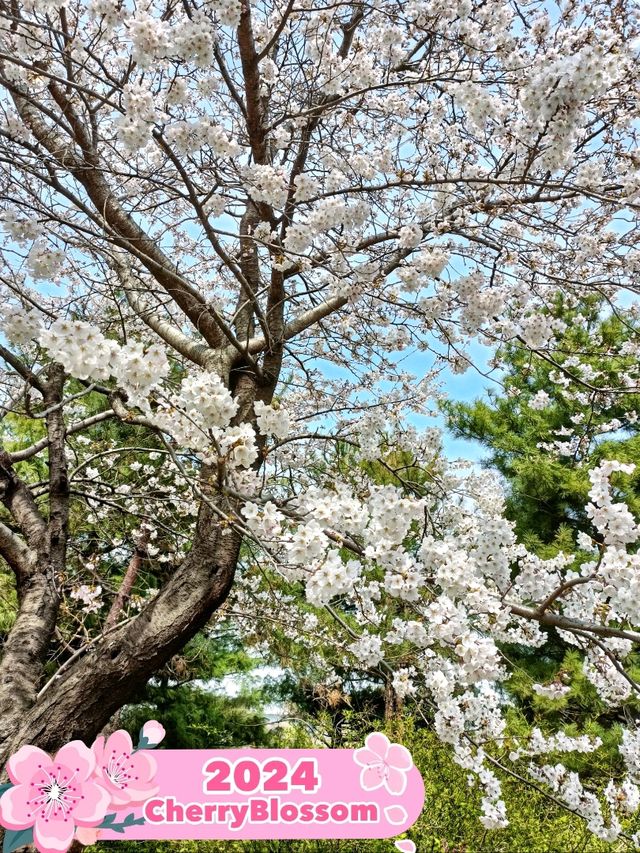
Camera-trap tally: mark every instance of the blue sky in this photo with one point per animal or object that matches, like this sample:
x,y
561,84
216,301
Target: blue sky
x,y
461,387
464,387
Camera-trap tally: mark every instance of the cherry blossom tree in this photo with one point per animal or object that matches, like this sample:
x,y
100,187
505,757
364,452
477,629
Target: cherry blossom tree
x,y
251,233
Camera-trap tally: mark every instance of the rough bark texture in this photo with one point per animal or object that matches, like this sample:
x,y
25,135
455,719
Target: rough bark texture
x,y
25,649
128,581
99,683
118,663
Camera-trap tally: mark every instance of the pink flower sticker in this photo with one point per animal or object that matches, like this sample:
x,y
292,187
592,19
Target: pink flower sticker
x,y
125,774
383,764
406,846
153,732
53,795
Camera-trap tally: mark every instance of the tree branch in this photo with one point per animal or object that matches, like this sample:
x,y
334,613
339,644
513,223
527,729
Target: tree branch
x,y
119,603
20,367
80,426
192,350
122,229
18,556
566,624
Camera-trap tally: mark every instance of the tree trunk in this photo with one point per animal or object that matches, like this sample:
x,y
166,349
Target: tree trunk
x,y
392,705
81,703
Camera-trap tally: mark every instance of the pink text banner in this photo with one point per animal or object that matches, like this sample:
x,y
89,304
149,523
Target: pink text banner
x,y
113,790
262,793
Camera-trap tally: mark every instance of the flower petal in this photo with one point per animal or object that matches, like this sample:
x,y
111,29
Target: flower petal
x,y
144,766
365,757
91,809
153,731
25,763
137,796
378,743
119,798
399,757
396,814
406,846
396,781
53,836
97,748
372,777
78,758
15,811
119,743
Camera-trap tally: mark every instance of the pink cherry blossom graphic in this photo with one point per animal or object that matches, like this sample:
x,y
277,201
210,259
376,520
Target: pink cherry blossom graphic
x,y
383,764
126,774
153,732
406,846
53,795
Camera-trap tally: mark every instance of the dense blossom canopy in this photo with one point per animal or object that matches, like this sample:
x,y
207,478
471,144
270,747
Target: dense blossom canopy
x,y
255,233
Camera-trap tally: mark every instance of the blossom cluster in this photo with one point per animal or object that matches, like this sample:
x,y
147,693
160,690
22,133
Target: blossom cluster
x,y
272,421
462,585
87,354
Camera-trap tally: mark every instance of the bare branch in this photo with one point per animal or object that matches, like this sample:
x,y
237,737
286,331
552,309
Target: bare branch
x,y
195,352
20,367
80,426
16,553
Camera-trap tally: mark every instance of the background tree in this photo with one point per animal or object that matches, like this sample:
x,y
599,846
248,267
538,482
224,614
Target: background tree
x,y
189,696
544,429
550,421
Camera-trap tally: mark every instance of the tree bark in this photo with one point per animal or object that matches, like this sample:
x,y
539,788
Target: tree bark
x,y
108,676
24,652
392,703
122,597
